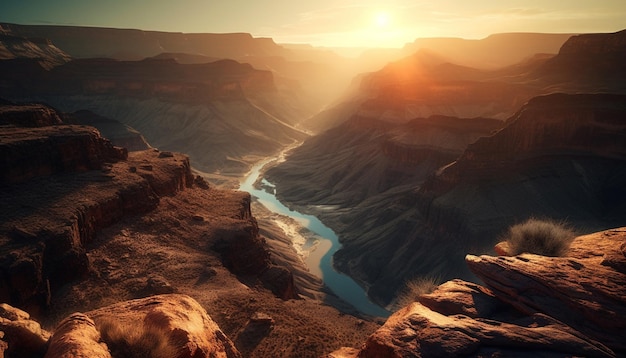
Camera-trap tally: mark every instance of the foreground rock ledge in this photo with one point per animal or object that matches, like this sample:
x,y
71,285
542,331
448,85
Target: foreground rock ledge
x,y
165,323
530,306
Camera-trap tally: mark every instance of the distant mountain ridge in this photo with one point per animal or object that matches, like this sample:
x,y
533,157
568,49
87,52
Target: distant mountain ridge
x,y
131,44
559,156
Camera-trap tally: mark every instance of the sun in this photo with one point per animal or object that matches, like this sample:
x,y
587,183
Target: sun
x,y
382,19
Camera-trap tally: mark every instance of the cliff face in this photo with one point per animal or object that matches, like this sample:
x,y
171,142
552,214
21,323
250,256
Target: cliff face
x,y
220,113
425,84
529,306
82,238
119,134
561,156
388,155
127,44
39,49
548,126
590,61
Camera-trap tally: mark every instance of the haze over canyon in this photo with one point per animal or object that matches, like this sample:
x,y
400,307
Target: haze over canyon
x,y
121,152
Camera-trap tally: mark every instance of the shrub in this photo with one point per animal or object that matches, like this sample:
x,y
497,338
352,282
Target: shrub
x,y
135,340
542,237
413,289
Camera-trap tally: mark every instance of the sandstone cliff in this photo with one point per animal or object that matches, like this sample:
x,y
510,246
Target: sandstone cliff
x,y
80,238
223,114
529,306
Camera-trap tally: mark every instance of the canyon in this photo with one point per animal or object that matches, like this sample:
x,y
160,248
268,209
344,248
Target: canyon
x,y
414,166
557,157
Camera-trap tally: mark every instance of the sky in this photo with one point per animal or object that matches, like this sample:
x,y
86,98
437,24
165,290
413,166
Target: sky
x,y
332,23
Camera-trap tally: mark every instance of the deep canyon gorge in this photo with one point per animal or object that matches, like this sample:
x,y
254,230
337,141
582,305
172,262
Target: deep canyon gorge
x,y
121,149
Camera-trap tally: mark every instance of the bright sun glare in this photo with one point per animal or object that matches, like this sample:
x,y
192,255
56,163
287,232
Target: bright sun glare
x,y
382,19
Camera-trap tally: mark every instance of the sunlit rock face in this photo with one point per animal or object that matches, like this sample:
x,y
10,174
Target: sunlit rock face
x,y
37,48
587,63
530,306
169,322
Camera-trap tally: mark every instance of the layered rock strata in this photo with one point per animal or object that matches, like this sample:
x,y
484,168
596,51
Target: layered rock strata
x,y
529,306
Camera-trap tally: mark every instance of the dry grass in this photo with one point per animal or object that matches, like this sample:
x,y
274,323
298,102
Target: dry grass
x,y
414,288
128,340
541,237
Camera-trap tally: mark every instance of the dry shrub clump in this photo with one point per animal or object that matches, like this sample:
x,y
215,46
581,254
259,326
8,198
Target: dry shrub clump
x,y
541,237
413,289
135,340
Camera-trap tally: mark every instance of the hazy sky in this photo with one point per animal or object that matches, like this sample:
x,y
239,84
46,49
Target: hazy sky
x,y
389,23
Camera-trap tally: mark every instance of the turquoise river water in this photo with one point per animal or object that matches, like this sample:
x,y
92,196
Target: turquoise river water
x,y
342,285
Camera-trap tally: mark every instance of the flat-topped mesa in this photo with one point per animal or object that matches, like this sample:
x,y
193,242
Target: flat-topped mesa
x,y
28,115
33,152
131,44
590,63
595,44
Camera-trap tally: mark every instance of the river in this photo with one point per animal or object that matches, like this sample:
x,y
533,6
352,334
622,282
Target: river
x,y
320,260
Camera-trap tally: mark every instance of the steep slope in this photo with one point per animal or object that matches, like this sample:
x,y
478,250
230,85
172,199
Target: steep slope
x,y
494,51
119,134
561,156
589,62
90,227
224,114
365,157
425,84
39,48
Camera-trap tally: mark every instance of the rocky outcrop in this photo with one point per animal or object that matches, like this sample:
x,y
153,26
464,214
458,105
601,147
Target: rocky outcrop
x,y
161,324
43,245
530,306
35,152
245,253
119,134
23,337
61,184
28,115
157,326
585,290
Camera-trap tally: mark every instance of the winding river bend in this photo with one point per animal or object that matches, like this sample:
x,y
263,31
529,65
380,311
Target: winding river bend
x,y
342,285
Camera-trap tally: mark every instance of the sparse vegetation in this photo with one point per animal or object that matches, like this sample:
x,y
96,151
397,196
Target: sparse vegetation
x,y
135,340
415,288
542,237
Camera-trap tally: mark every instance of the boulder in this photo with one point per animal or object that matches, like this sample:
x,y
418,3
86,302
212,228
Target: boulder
x,y
417,331
165,323
585,292
23,336
529,306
